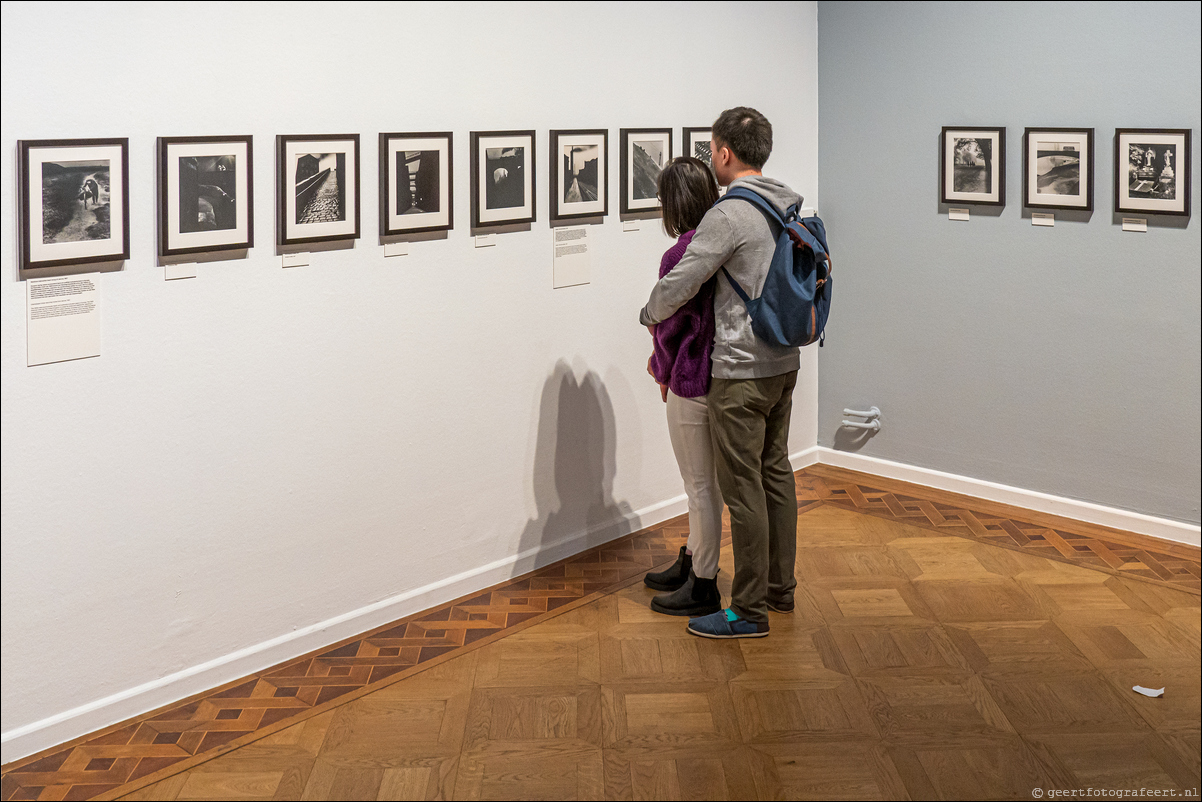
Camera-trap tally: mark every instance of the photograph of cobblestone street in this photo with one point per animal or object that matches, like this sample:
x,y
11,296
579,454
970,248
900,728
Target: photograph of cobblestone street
x,y
320,188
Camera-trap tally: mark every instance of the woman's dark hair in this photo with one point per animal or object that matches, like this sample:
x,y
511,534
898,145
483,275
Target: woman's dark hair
x,y
687,190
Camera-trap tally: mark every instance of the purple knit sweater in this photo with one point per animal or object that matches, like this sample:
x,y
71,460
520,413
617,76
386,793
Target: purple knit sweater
x,y
684,341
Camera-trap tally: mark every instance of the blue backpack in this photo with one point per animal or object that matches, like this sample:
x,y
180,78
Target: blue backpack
x,y
792,309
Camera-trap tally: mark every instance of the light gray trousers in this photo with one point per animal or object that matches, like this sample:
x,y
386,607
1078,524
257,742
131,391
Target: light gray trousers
x,y
689,429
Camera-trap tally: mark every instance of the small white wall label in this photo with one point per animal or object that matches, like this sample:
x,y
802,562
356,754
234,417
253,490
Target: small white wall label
x,y
1038,219
172,272
630,225
957,214
1139,224
295,259
486,240
396,249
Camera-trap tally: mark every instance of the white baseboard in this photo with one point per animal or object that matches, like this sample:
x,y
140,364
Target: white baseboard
x,y
806,458
62,727
1150,525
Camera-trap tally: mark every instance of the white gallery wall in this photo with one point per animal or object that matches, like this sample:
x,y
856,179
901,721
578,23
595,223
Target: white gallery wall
x,y
264,460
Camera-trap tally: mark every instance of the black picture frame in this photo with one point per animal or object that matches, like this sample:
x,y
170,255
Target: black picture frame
x,y
484,213
642,179
1128,178
560,207
688,143
291,228
227,197
441,175
72,212
1059,174
993,168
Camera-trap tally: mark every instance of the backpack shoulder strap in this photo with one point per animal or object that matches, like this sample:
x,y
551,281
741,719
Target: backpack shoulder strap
x,y
734,285
769,212
757,200
798,231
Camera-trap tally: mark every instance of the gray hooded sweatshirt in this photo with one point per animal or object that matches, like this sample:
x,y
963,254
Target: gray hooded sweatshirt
x,y
733,233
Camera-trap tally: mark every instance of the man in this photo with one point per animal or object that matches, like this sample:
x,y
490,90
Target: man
x,y
751,395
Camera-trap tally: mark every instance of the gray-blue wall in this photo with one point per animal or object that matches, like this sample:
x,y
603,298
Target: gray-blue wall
x,y
1063,360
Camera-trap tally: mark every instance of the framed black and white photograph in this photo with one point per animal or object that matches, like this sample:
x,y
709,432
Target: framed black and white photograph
x,y
645,152
972,165
695,142
502,178
1058,168
74,202
206,189
318,189
1152,170
578,174
416,183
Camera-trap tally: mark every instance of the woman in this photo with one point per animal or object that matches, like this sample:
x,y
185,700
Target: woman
x,y
681,365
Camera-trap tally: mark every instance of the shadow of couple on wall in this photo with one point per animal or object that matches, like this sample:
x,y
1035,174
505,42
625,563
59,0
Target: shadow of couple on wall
x,y
573,472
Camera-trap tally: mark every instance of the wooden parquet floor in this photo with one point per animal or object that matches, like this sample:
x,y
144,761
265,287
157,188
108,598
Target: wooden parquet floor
x,y
942,647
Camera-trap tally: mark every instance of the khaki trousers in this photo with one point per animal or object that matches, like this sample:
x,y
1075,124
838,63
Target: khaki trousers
x,y
749,423
689,428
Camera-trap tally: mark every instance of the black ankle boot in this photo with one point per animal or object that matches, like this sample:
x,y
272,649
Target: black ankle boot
x,y
696,597
675,576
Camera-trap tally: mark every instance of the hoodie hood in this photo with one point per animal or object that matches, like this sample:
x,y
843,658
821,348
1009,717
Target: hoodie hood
x,y
776,192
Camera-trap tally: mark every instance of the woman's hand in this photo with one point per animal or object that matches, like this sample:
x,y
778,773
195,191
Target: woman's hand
x,y
663,392
650,372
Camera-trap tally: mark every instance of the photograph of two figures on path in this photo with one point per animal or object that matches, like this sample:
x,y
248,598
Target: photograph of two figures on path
x,y
75,201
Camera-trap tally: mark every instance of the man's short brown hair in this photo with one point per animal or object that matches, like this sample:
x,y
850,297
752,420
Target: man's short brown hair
x,y
747,133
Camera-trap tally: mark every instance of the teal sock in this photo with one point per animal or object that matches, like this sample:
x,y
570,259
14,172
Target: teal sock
x,y
730,615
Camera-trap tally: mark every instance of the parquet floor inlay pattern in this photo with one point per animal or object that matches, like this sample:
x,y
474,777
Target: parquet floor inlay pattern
x,y
937,651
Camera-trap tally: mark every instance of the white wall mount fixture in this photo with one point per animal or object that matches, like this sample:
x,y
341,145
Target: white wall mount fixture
x,y
871,419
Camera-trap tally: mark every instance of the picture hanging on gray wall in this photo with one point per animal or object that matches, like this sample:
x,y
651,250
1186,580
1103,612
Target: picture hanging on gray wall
x,y
1058,168
502,178
416,183
972,165
74,203
1152,170
318,188
205,194
579,174
645,153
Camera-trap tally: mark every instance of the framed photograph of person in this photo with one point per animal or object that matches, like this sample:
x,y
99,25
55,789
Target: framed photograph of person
x,y
1152,171
74,203
645,152
1058,168
578,174
318,189
502,178
206,194
972,165
416,183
